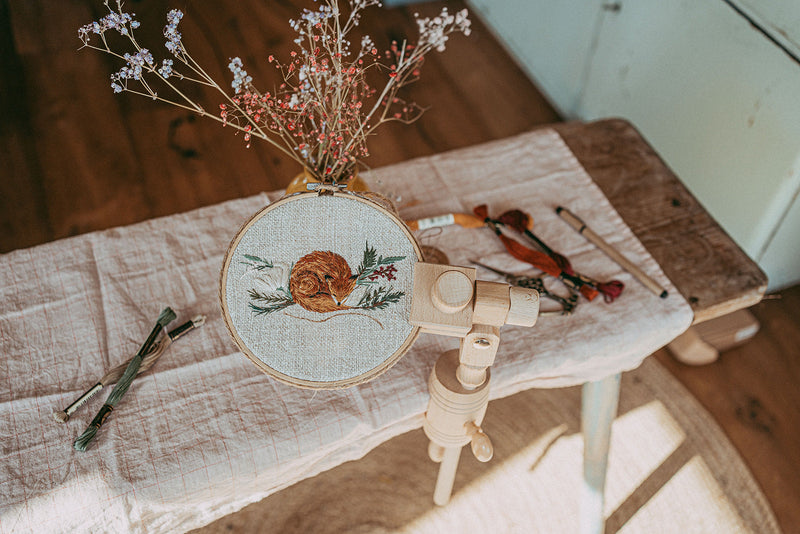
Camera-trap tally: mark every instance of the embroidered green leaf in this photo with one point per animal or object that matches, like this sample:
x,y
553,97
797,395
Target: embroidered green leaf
x,y
257,263
378,298
389,260
263,304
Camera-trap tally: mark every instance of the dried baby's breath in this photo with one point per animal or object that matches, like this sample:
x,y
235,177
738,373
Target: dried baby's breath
x,y
321,110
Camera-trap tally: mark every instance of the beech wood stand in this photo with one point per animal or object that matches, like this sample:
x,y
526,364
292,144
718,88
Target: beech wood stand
x,y
449,301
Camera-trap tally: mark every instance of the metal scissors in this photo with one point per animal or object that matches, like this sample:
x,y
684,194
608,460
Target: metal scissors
x,y
531,282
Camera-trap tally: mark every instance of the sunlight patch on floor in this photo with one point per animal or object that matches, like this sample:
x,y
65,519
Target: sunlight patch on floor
x,y
641,440
537,489
698,502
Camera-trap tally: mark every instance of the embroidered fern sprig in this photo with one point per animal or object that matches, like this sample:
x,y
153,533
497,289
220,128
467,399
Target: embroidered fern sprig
x,y
378,298
370,258
259,264
370,263
269,303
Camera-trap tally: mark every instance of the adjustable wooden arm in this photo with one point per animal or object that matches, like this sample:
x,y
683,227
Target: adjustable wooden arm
x,y
449,301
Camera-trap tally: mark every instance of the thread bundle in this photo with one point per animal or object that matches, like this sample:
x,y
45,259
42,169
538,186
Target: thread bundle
x,y
548,260
125,381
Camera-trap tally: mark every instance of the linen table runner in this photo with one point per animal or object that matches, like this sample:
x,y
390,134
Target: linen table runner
x,y
204,432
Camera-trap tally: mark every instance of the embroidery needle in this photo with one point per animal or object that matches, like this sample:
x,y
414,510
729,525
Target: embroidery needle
x,y
125,381
611,252
147,362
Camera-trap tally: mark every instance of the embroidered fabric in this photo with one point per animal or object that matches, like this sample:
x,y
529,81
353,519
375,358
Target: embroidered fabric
x,y
318,289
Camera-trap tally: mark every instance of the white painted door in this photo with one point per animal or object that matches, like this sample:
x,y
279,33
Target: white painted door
x,y
716,96
718,100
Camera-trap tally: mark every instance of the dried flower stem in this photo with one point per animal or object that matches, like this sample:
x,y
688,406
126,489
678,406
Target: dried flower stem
x,y
318,114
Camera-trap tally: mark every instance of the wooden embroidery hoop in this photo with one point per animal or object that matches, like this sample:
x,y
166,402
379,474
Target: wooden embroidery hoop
x,y
240,326
447,300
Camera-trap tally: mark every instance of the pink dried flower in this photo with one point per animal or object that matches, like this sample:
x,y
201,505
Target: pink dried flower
x,y
323,110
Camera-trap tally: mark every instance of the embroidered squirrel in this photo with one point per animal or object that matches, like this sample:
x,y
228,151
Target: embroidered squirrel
x,y
321,281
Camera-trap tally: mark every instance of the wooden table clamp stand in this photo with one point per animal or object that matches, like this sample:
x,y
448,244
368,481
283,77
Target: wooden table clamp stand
x,y
447,300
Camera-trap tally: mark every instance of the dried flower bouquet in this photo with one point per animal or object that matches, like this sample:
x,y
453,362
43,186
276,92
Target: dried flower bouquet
x,y
323,108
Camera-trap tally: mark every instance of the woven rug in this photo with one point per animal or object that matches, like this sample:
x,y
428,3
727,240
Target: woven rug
x,y
671,469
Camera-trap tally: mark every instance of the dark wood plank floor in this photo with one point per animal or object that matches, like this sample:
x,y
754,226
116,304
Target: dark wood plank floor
x,y
81,158
78,158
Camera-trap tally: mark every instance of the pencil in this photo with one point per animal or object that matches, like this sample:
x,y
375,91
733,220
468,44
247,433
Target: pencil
x,y
611,252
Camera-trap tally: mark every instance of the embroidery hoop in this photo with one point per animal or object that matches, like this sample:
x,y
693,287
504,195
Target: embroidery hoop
x,y
311,349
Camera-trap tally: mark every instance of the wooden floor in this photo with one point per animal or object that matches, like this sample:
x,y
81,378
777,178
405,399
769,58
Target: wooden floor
x,y
78,158
753,393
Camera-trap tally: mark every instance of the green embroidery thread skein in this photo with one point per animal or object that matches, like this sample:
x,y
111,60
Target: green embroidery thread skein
x,y
80,444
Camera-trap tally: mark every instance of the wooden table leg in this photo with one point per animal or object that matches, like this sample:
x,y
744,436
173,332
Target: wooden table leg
x,y
447,475
598,409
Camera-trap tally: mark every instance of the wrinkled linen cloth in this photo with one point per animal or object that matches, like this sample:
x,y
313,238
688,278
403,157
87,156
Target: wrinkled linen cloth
x,y
204,432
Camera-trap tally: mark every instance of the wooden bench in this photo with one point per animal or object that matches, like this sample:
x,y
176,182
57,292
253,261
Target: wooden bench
x,y
703,262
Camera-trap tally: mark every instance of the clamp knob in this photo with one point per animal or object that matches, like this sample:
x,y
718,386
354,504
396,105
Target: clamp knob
x,y
480,443
452,291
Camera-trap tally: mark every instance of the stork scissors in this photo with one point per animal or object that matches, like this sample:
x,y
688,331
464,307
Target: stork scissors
x,y
531,282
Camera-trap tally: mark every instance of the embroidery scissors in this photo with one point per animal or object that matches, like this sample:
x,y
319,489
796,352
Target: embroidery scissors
x,y
531,282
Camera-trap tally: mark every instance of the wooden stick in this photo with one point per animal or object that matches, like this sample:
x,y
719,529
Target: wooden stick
x,y
612,253
447,475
